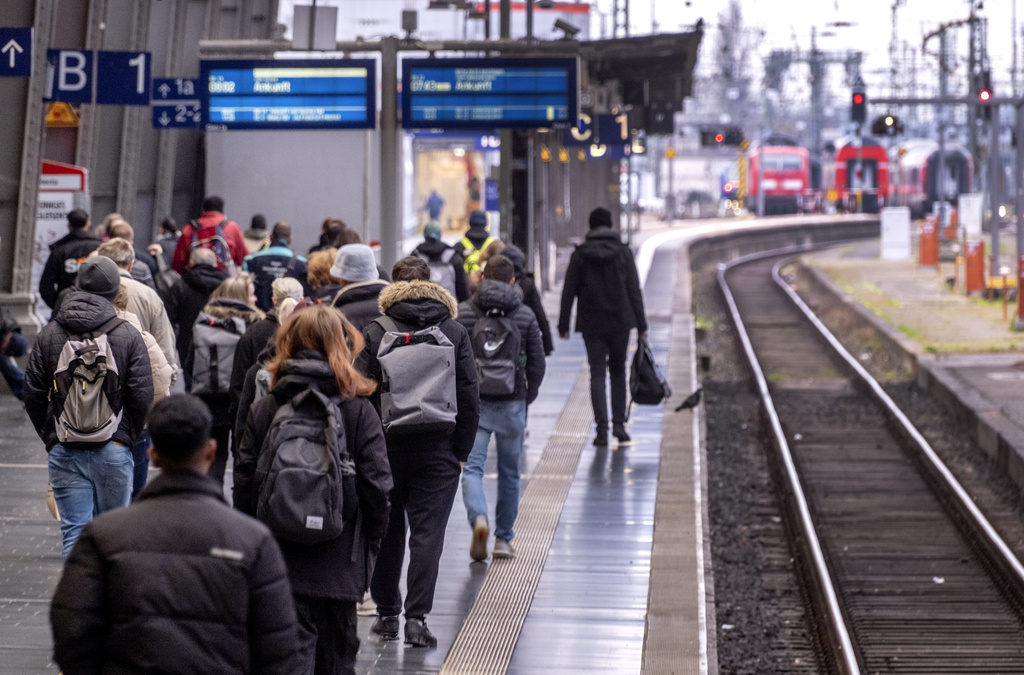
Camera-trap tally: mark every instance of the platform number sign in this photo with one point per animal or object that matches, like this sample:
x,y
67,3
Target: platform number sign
x,y
69,76
116,78
176,103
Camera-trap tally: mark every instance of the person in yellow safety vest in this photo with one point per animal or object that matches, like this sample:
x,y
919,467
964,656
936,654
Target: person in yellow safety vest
x,y
475,241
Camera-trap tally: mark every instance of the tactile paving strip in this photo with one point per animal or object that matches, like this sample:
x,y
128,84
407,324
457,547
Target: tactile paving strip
x,y
488,636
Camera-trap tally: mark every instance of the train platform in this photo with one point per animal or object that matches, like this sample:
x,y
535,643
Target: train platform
x,y
612,573
961,348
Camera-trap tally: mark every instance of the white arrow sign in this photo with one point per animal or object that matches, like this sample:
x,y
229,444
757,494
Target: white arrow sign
x,y
14,48
164,119
164,90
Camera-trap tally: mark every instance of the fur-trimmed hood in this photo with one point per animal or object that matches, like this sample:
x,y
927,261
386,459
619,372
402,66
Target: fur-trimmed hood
x,y
228,308
418,303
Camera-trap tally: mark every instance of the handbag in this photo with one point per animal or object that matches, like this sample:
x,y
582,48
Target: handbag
x,y
165,278
647,382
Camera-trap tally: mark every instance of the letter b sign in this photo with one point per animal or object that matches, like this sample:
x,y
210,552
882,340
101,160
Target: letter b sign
x,y
69,76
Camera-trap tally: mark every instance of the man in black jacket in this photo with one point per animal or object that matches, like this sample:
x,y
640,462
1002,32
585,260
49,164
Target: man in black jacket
x,y
66,254
89,478
501,415
425,466
179,582
602,275
189,296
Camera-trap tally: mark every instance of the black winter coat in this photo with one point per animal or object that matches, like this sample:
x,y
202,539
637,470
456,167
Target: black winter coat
x,y
340,568
62,266
433,249
415,305
531,296
82,313
179,583
247,352
187,298
359,302
491,295
602,275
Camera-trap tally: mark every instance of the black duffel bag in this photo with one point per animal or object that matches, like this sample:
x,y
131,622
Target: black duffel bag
x,y
647,384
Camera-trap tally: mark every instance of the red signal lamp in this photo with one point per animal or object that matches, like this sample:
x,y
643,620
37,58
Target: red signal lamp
x,y
719,138
984,95
858,98
728,187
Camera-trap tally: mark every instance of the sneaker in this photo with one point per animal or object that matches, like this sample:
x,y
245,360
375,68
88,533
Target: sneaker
x,y
478,547
417,634
503,549
619,432
367,607
386,627
601,438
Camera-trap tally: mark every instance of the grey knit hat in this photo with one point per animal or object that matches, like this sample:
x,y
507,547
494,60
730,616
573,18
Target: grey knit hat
x,y
99,275
355,263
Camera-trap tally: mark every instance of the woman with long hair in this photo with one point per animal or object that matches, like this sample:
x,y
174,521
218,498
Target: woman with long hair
x,y
314,350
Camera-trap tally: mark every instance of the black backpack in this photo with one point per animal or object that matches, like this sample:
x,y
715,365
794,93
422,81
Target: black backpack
x,y
647,384
496,350
302,469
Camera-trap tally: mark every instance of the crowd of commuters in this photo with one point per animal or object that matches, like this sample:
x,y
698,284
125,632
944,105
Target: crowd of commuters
x,y
351,402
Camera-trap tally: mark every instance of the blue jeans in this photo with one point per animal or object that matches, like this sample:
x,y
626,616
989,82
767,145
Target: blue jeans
x,y
507,421
86,483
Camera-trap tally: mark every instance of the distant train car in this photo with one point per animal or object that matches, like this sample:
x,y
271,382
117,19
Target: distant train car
x,y
786,170
874,174
917,186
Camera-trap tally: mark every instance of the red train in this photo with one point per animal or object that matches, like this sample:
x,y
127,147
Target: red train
x,y
873,179
786,172
918,185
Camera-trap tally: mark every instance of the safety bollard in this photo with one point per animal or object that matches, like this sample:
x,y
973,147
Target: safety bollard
x,y
928,246
974,262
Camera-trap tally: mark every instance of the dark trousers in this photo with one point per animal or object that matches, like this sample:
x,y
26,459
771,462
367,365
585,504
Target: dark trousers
x,y
221,434
328,636
140,453
606,353
425,487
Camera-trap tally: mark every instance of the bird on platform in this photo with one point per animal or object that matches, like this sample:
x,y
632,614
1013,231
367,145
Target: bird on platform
x,y
691,401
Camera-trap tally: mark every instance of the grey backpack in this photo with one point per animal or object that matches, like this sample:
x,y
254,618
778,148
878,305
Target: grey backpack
x,y
442,272
301,471
86,379
417,389
213,352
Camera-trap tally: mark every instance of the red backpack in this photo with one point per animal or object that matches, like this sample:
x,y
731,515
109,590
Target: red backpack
x,y
213,238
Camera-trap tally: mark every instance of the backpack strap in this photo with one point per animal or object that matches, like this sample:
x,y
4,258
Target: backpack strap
x,y
448,254
388,324
105,328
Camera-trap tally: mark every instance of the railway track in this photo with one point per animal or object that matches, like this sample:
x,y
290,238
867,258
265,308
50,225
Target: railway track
x,y
904,573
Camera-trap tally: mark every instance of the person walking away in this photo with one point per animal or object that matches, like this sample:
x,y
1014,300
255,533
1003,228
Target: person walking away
x,y
330,230
446,263
12,345
433,205
167,240
361,284
315,388
214,231
430,411
66,254
88,409
602,276
509,355
144,266
162,374
274,262
475,241
323,285
187,299
257,237
531,296
179,582
230,312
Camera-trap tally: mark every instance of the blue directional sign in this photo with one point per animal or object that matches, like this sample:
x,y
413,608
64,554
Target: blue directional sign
x,y
176,103
69,76
15,52
286,94
521,93
124,78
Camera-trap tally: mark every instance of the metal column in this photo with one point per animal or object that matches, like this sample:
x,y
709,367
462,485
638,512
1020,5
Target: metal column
x,y
994,175
390,184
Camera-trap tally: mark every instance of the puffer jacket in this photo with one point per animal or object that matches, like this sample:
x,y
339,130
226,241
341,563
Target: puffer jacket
x,y
187,298
178,583
359,302
494,295
414,305
224,308
82,313
247,353
602,275
339,568
531,296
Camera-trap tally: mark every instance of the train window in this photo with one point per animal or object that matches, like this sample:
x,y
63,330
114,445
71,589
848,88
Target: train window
x,y
782,163
915,176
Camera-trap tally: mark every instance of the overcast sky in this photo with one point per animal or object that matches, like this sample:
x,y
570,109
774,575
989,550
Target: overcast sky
x,y
788,23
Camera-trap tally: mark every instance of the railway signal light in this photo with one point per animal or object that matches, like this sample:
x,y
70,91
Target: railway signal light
x,y
859,107
985,95
887,125
716,138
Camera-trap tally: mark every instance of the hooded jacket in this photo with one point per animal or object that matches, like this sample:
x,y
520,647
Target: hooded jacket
x,y
531,296
178,582
62,265
162,372
602,275
414,305
187,298
359,302
495,295
224,308
83,313
433,249
340,568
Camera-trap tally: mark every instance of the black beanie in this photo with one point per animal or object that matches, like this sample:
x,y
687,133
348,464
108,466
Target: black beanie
x,y
600,217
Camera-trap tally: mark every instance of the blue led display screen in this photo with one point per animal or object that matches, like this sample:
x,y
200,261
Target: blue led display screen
x,y
275,94
525,93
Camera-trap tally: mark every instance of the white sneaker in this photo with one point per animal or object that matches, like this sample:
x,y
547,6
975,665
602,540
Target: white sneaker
x,y
503,549
478,546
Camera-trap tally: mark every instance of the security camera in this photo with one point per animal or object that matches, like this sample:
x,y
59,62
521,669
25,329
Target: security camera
x,y
566,27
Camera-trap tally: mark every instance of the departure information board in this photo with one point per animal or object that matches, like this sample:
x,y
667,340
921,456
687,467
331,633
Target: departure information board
x,y
526,93
287,94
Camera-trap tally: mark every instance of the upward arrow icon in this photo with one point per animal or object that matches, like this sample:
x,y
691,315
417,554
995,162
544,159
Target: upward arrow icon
x,y
164,90
14,48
